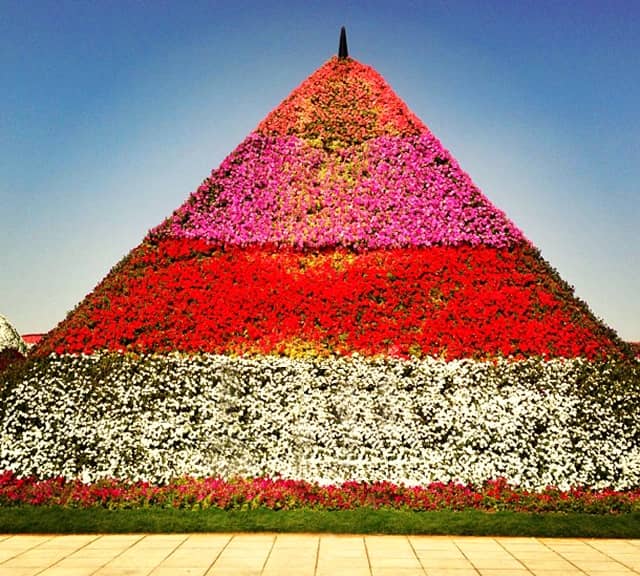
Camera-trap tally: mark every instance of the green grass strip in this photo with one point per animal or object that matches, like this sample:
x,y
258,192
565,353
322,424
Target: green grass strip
x,y
55,520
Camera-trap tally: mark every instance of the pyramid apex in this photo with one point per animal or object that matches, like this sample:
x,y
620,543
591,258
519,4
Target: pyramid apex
x,y
343,52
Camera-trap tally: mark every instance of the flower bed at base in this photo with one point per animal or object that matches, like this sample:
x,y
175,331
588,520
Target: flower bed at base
x,y
282,494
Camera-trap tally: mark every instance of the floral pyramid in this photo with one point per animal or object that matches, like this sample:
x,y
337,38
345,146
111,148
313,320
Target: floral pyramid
x,y
336,300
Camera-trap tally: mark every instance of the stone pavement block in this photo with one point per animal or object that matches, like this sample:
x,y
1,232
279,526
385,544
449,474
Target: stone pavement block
x,y
343,571
25,540
297,541
93,555
494,561
185,557
122,571
427,543
300,561
179,571
607,546
459,563
506,572
397,571
600,568
451,572
35,557
120,541
609,572
163,541
217,541
19,571
234,571
72,563
547,572
68,541
63,570
342,547
396,562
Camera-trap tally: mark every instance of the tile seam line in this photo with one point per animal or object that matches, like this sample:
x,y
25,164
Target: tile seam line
x,y
475,569
562,555
266,560
498,541
366,551
186,537
76,550
315,565
416,554
51,537
588,543
212,564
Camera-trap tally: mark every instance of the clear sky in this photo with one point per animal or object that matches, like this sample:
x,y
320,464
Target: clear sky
x,y
112,112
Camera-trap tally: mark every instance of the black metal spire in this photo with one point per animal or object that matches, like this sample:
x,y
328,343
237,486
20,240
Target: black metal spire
x,y
343,52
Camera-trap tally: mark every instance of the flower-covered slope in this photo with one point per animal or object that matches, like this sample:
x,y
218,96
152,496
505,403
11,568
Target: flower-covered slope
x,y
337,301
339,225
444,301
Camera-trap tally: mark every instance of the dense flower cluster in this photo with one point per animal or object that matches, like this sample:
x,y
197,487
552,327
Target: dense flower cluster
x,y
449,302
342,103
388,192
284,494
337,302
560,422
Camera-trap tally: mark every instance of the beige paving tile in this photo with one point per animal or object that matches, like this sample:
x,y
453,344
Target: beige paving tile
x,y
601,543
288,559
25,540
206,541
67,542
495,562
451,572
35,557
161,540
244,555
397,571
178,571
430,563
547,572
136,561
193,557
62,570
506,572
115,541
432,543
404,563
233,571
609,572
19,571
120,571
94,554
297,541
391,553
600,568
343,571
342,555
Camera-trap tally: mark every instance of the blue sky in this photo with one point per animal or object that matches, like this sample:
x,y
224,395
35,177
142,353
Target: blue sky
x,y
112,112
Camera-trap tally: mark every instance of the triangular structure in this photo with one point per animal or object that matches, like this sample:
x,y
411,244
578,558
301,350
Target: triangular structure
x,y
339,225
341,252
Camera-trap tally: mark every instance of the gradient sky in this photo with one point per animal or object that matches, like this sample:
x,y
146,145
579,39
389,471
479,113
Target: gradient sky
x,y
112,112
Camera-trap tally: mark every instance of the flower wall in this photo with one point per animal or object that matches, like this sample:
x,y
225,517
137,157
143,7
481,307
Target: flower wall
x,y
156,417
450,302
336,302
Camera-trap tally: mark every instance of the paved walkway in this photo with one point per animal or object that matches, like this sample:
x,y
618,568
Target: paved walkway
x,y
312,555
